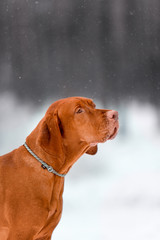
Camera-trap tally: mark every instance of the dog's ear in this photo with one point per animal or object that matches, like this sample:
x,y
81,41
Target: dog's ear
x,y
50,134
92,150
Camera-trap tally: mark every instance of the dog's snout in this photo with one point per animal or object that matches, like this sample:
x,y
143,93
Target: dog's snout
x,y
112,115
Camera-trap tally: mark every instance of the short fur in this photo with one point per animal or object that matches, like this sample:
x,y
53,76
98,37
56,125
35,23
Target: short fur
x,y
31,197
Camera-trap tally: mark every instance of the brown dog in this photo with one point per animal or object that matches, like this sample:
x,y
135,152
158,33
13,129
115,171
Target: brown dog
x,y
30,195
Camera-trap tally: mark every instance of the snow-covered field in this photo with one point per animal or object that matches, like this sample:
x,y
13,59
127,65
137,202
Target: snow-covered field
x,y
114,195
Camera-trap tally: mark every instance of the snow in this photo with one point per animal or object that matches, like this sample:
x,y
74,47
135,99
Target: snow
x,y
120,202
112,195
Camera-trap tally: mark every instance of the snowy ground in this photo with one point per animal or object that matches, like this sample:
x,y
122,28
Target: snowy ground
x,y
112,195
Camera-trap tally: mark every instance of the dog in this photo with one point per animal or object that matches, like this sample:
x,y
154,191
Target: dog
x,y
32,176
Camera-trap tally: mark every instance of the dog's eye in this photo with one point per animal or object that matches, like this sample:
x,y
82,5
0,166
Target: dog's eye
x,y
79,110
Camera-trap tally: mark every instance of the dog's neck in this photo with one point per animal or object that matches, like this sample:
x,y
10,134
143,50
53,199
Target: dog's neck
x,y
72,151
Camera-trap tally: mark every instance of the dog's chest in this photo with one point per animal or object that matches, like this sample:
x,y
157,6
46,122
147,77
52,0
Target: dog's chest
x,y
54,208
56,194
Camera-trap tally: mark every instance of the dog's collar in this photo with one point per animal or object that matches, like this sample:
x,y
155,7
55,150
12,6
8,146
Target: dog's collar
x,y
44,165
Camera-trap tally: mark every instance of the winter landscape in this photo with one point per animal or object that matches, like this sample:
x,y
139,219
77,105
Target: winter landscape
x,y
112,195
108,51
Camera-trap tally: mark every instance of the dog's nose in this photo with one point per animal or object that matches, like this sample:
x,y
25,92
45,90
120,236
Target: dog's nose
x,y
112,115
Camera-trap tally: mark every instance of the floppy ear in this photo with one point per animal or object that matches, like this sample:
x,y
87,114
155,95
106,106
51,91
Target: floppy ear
x,y
50,138
92,150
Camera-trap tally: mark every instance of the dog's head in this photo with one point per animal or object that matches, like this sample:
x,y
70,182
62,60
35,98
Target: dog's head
x,y
76,120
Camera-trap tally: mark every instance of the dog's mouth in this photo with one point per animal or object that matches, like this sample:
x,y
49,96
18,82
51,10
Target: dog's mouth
x,y
113,135
110,131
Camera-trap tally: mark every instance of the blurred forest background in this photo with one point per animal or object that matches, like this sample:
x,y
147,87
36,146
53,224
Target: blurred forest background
x,y
108,50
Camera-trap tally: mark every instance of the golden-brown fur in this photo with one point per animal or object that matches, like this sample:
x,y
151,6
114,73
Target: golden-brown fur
x,y
31,197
